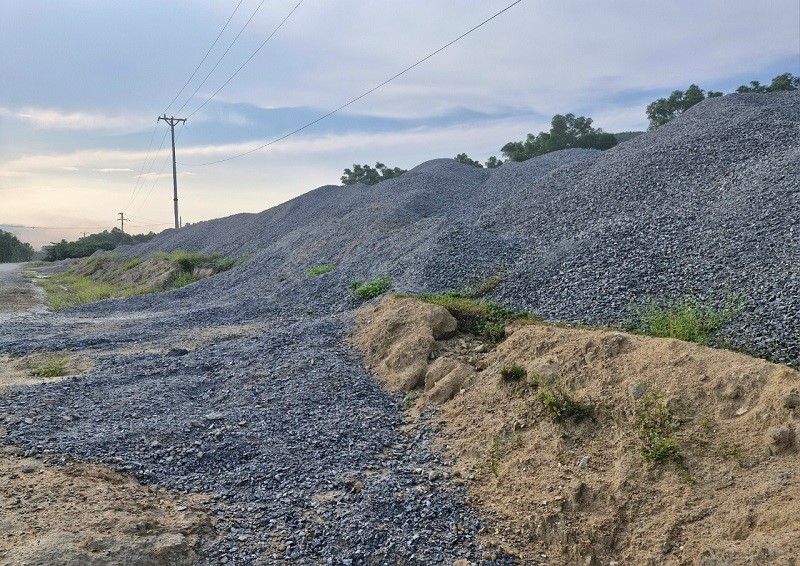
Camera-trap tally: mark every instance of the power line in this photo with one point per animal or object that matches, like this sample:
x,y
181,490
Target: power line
x,y
221,58
160,173
247,61
204,57
139,178
356,99
143,178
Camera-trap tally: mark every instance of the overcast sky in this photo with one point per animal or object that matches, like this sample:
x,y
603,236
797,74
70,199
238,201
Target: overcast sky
x,y
83,81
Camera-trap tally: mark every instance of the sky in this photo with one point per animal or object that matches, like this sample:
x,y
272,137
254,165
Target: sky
x,y
82,83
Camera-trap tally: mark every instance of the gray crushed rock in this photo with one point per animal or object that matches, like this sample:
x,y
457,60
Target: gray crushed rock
x,y
300,449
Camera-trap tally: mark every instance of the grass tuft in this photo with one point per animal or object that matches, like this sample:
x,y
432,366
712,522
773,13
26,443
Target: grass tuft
x,y
656,430
53,365
559,401
371,289
684,318
514,372
320,269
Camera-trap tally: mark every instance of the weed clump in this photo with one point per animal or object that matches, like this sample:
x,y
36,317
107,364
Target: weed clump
x,y
52,366
371,289
514,372
656,431
320,269
685,318
559,401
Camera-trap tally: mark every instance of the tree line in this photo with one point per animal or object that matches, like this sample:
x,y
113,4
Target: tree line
x,y
13,250
570,131
87,245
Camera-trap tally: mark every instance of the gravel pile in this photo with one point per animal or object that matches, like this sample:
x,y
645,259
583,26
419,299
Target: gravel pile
x,y
300,449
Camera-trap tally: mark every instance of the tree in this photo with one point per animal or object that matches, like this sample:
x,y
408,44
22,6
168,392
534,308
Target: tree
x,y
493,162
783,82
664,110
12,249
464,158
661,111
566,131
369,176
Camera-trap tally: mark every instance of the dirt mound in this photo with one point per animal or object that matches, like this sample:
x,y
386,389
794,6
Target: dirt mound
x,y
89,515
613,447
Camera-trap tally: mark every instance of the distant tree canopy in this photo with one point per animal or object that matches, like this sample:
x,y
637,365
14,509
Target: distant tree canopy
x,y
663,110
782,82
493,162
369,176
464,158
14,250
86,246
566,132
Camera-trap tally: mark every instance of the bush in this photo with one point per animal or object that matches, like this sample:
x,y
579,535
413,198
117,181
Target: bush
x,y
371,289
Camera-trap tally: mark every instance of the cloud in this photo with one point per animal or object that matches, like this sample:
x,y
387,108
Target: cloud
x,y
53,119
69,168
7,173
114,170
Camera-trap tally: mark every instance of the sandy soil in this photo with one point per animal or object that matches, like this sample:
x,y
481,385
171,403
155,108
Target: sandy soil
x,y
75,514
581,491
17,294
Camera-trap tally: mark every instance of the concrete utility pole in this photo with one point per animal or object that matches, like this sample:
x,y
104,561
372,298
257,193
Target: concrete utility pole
x,y
172,121
122,222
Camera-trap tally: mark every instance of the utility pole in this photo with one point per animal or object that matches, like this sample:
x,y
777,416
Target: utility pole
x,y
122,222
172,121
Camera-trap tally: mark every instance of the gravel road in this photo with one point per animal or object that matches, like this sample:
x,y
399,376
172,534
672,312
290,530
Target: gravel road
x,y
243,386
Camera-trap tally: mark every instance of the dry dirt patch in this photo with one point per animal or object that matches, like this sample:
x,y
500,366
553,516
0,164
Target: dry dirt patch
x,y
568,491
36,368
88,515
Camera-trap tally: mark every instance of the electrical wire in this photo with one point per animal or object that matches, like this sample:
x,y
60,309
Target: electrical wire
x,y
143,178
196,110
138,179
221,58
161,172
356,99
204,57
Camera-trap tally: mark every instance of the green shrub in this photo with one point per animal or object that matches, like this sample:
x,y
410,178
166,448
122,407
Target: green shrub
x,y
320,269
371,289
685,318
513,372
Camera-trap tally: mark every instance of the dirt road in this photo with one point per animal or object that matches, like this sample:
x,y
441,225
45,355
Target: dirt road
x,y
17,294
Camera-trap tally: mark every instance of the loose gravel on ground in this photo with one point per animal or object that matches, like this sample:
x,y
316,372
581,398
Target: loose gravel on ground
x,y
306,457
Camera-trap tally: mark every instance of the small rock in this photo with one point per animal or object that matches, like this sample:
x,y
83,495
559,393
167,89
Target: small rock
x,y
28,470
214,416
480,349
636,390
584,463
174,352
790,401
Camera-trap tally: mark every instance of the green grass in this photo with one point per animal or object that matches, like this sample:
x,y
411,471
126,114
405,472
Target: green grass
x,y
320,269
656,431
182,279
371,289
54,365
65,290
684,318
133,262
559,401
